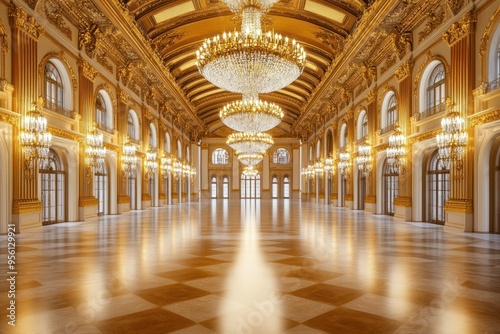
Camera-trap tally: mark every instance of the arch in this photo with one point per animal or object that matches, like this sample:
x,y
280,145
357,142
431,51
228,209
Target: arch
x,y
213,187
362,125
274,187
101,189
438,190
286,186
166,144
494,56
343,136
430,74
281,156
225,187
389,111
104,110
220,156
133,129
53,190
68,78
152,135
329,143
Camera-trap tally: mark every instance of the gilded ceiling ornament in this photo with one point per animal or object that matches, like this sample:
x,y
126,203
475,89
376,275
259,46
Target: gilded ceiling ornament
x,y
455,5
371,96
404,43
167,39
21,20
460,29
54,15
389,62
124,73
404,71
88,38
123,96
87,70
102,59
332,40
434,20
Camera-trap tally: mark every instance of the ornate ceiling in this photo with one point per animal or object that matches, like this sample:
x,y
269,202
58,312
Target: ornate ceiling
x,y
152,45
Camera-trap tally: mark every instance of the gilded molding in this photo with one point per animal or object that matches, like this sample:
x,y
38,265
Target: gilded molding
x,y
87,70
54,16
381,147
486,34
403,201
430,57
389,62
404,43
23,206
123,199
88,39
434,20
61,133
19,19
480,119
424,136
460,29
455,5
8,118
102,59
371,199
465,206
404,71
371,96
123,96
86,201
146,197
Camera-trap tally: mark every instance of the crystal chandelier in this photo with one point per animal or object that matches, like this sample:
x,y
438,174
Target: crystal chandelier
x,y
344,162
250,61
308,172
249,142
251,115
166,165
250,159
249,171
318,167
237,5
95,151
177,168
151,162
396,150
186,169
129,160
329,166
35,139
453,138
364,159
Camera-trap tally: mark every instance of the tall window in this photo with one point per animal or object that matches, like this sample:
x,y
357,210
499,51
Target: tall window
x,y
53,190
391,187
436,87
286,187
101,190
54,89
225,187
250,186
131,190
152,135
392,114
275,187
131,126
220,157
281,156
438,190
214,187
101,113
364,126
166,144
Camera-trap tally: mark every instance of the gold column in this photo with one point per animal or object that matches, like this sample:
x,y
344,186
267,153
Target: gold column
x,y
87,75
460,38
121,126
25,35
350,144
371,99
335,134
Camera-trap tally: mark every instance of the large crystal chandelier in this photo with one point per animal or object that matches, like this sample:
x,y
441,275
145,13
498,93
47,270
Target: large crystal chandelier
x,y
249,142
249,171
453,138
129,160
308,172
364,159
250,61
151,162
251,115
250,159
344,162
95,151
35,139
396,150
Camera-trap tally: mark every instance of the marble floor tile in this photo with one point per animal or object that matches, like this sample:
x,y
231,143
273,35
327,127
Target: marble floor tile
x,y
383,306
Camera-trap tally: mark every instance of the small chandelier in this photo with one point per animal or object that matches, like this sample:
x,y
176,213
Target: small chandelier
x,y
344,162
318,167
329,166
250,142
95,151
151,162
177,168
249,171
35,139
308,172
250,61
129,160
453,138
186,169
251,115
396,150
364,159
250,159
166,165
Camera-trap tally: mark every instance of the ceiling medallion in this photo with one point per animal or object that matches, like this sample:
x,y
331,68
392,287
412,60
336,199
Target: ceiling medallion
x,y
248,142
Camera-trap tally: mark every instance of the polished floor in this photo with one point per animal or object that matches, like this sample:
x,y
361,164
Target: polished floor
x,y
253,266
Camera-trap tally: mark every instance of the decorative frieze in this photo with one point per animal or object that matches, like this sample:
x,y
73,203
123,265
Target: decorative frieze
x,y
22,206
403,201
19,19
87,70
480,119
404,71
54,15
460,29
434,20
465,206
87,39
86,201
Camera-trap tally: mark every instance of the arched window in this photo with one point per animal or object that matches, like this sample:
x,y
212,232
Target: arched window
x,y
281,156
214,187
343,136
391,187
286,187
250,186
53,190
392,115
220,157
101,113
101,190
494,61
225,187
166,144
329,143
438,181
436,87
152,135
133,126
54,88
275,187
362,125
389,115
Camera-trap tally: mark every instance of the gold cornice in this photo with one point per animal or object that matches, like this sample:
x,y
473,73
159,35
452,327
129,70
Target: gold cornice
x,y
403,201
23,206
19,19
58,132
12,119
86,201
112,147
55,17
424,136
87,70
465,206
483,118
460,29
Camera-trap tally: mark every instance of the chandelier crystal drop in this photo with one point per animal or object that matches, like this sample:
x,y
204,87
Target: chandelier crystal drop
x,y
397,149
151,162
129,160
329,166
364,159
166,165
250,61
35,139
308,172
344,162
249,142
452,141
251,115
250,159
249,171
95,150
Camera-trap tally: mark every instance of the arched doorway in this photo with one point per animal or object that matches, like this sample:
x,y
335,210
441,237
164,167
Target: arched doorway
x,y
53,190
438,190
225,187
391,187
274,187
101,190
286,187
213,189
250,186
